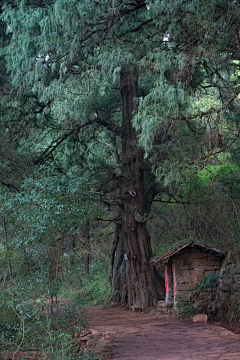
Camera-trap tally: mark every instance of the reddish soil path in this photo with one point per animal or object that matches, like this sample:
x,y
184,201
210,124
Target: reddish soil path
x,y
138,336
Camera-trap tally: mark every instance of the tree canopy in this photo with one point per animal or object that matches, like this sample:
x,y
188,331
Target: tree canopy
x,y
140,97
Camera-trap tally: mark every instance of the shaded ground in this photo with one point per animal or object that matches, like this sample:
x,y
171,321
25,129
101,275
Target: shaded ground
x,y
137,336
149,336
233,325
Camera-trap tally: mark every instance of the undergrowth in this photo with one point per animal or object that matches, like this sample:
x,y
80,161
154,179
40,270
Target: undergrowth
x,y
95,288
49,317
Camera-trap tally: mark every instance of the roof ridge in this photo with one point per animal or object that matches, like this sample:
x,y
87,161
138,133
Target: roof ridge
x,y
167,254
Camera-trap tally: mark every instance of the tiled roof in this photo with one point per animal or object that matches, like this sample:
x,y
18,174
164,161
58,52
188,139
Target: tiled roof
x,y
168,254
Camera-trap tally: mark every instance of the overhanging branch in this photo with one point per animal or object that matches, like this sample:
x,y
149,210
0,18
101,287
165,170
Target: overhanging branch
x,y
55,143
142,24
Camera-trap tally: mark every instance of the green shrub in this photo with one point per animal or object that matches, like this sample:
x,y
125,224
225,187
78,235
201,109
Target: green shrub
x,y
42,323
96,288
209,281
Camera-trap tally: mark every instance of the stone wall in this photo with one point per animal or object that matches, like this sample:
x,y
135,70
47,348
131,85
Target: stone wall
x,y
227,298
222,298
191,265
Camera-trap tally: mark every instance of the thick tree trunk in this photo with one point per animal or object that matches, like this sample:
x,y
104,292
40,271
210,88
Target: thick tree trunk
x,y
132,276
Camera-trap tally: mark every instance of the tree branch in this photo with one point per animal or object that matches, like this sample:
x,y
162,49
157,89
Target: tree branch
x,y
142,24
55,143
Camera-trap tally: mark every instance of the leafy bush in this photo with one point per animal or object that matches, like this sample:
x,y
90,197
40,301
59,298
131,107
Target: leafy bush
x,y
209,281
95,289
35,265
39,322
186,308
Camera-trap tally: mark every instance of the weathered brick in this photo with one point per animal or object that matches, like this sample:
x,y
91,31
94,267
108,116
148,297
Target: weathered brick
x,y
212,261
183,287
194,279
188,261
183,279
180,295
209,267
183,272
208,272
177,261
197,255
186,267
199,271
201,262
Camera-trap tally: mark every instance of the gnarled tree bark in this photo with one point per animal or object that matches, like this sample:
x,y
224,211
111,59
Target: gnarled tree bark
x,y
133,278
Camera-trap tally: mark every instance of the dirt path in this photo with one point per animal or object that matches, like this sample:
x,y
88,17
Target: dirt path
x,y
140,336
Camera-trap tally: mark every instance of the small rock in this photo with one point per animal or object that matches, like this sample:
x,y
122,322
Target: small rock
x,y
161,304
94,332
200,318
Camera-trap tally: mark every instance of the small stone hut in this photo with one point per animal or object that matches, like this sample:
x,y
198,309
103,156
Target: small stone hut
x,y
186,266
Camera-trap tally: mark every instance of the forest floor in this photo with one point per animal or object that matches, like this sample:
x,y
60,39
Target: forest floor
x,y
149,336
126,335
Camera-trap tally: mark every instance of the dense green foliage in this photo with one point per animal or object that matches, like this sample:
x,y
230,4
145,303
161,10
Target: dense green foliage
x,y
37,223
62,141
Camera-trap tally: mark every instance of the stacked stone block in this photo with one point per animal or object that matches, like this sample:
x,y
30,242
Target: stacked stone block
x,y
191,265
228,291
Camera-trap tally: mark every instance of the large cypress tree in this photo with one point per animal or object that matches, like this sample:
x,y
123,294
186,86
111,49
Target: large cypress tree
x,y
88,56
85,58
